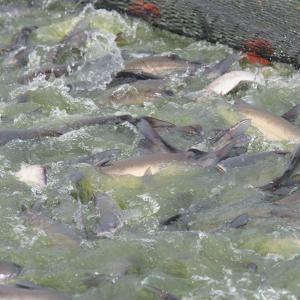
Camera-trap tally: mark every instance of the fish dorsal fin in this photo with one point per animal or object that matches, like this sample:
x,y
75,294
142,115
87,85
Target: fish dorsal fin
x,y
157,123
152,135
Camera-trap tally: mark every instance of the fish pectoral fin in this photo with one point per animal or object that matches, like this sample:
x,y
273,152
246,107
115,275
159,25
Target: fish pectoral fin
x,y
28,285
148,172
103,163
198,153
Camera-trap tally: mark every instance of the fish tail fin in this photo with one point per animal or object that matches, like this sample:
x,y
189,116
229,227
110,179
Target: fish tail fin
x,y
224,152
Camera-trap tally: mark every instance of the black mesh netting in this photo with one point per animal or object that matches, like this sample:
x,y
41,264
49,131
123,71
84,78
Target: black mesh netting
x,y
270,28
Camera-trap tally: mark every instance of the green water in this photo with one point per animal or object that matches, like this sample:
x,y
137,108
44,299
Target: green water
x,y
191,259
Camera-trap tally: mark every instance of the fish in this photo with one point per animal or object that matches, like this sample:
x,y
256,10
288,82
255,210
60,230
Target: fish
x,y
144,126
10,134
73,42
187,130
238,222
95,158
57,232
109,215
124,77
160,293
291,199
285,213
33,175
17,58
226,135
221,67
151,164
139,92
56,70
229,81
29,291
291,166
161,65
9,270
271,126
292,114
247,159
20,39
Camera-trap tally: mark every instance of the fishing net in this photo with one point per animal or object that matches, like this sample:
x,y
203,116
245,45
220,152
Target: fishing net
x,y
266,28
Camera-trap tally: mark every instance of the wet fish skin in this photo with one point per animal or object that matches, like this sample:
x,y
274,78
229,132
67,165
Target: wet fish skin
x,y
292,164
229,81
58,232
221,67
285,213
139,166
291,199
95,158
56,70
226,135
153,163
25,291
8,134
247,159
9,270
292,114
160,293
20,39
152,135
139,92
124,77
75,40
273,127
110,217
161,65
170,220
238,222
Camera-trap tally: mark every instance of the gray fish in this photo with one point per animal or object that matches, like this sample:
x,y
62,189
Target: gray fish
x,y
17,58
273,127
238,222
139,92
28,291
95,158
57,232
110,216
153,163
245,160
73,42
292,114
20,39
151,135
226,135
292,164
124,77
160,293
9,270
161,65
7,134
187,130
291,199
56,70
285,213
